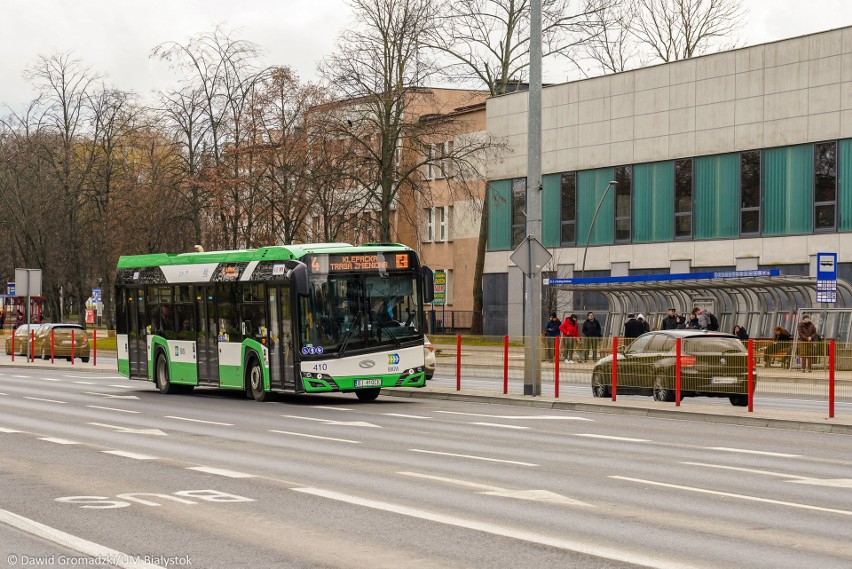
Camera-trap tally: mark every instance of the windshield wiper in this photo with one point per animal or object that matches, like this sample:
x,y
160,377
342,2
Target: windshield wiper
x,y
349,333
396,342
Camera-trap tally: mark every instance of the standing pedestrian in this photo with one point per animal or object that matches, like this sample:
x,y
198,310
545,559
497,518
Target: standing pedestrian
x,y
670,321
570,334
633,328
551,332
807,347
592,331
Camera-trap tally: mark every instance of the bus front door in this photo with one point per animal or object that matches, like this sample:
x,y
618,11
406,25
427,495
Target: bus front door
x,y
281,372
208,343
137,349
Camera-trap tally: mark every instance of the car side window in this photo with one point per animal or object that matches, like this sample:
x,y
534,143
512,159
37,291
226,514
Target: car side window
x,y
640,344
669,345
657,344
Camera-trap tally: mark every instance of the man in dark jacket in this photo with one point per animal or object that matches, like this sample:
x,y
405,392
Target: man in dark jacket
x,y
670,321
551,332
591,330
633,328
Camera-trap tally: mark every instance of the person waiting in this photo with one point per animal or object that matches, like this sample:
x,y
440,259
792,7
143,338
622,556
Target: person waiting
x,y
781,343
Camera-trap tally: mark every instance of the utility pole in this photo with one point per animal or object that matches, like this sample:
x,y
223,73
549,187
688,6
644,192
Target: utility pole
x,y
532,298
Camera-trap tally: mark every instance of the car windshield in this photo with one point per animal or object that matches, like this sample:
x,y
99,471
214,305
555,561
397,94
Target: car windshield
x,y
346,312
712,344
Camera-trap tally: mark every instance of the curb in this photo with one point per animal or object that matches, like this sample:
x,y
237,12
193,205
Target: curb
x,y
679,414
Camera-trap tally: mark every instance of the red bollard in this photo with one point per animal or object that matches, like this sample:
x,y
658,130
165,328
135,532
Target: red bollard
x,y
831,363
52,345
751,376
678,347
505,365
458,362
94,348
32,345
72,347
556,367
614,365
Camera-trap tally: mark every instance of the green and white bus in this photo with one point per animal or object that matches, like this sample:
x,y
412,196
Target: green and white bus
x,y
314,318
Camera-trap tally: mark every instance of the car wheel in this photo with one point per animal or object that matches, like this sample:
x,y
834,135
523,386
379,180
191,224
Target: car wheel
x,y
600,387
661,392
85,360
254,381
428,376
162,375
739,400
368,394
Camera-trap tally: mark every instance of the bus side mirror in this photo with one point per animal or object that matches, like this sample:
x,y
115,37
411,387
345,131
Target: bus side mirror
x,y
298,273
428,285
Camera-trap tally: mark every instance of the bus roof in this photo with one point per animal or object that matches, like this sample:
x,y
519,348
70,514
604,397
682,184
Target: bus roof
x,y
274,253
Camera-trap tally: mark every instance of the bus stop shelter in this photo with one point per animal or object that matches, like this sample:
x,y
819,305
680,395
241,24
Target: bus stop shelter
x,y
759,300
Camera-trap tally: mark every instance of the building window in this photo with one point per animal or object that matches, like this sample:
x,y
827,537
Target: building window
x,y
446,150
448,299
519,207
623,203
429,227
825,186
750,192
683,199
568,209
428,168
445,221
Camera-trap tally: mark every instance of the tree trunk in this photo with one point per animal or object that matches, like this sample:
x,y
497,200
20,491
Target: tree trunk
x,y
477,323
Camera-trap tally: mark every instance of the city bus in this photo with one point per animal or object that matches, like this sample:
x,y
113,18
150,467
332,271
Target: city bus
x,y
312,318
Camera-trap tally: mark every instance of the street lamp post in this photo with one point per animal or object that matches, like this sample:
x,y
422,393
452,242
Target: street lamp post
x,y
589,234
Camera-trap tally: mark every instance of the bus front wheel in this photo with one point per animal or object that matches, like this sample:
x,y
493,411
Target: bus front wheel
x,y
255,381
368,394
162,378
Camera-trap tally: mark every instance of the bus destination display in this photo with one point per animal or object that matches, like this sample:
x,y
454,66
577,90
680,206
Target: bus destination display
x,y
359,262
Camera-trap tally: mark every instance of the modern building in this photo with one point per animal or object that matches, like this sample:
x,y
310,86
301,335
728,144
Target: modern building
x,y
740,160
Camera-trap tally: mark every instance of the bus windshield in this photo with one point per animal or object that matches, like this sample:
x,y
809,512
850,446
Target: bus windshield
x,y
349,312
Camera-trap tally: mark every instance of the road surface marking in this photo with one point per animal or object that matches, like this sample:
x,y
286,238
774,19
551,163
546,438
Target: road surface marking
x,y
22,376
47,400
48,379
199,421
89,376
5,430
739,469
119,429
111,409
333,408
221,472
407,416
534,495
58,441
760,452
584,547
485,458
4,394
609,438
533,417
332,422
499,425
122,386
315,437
84,383
739,496
794,478
133,455
110,395
89,548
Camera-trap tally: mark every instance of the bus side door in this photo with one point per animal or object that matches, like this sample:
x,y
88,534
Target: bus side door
x,y
207,344
138,333
281,372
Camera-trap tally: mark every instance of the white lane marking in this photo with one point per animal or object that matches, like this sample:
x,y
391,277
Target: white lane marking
x,y
738,496
760,452
828,482
122,386
133,455
58,441
199,421
485,458
532,417
499,425
503,531
46,400
609,438
48,379
110,395
119,429
84,383
22,376
331,422
221,472
80,545
112,409
89,376
5,430
4,394
315,437
333,408
407,416
739,469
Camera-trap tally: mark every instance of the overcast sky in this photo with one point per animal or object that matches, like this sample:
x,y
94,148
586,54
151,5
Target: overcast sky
x,y
115,37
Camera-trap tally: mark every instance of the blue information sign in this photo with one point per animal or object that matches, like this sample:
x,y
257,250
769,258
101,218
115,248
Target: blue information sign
x,y
826,286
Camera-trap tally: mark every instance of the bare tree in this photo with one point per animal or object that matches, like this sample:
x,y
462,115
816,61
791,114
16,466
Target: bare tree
x,y
610,44
680,29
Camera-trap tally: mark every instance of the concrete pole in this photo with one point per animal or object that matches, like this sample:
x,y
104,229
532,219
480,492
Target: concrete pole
x,y
532,298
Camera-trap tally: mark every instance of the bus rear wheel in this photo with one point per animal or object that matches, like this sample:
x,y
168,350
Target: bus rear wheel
x,y
162,375
368,394
254,380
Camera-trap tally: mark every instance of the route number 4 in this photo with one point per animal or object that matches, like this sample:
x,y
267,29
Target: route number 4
x,y
147,499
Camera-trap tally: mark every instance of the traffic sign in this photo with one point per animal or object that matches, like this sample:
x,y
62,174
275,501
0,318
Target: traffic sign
x,y
530,256
440,288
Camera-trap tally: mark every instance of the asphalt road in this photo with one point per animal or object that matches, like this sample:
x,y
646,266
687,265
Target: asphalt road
x,y
96,466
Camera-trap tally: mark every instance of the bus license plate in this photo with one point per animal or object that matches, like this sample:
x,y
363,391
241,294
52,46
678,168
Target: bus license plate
x,y
368,383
